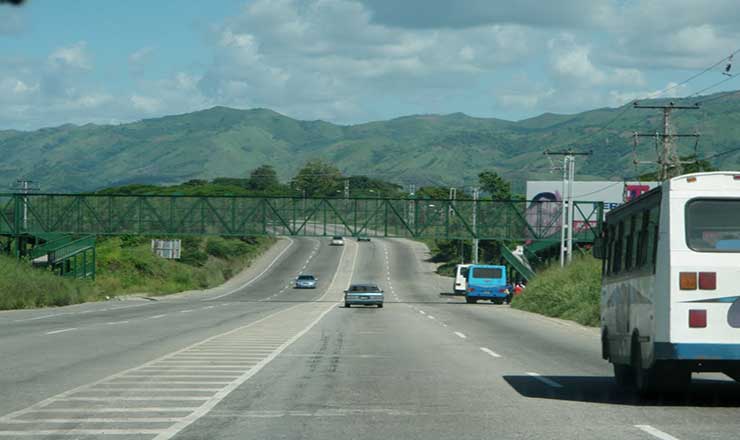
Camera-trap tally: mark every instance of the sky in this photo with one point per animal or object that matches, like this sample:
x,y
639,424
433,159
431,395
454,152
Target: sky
x,y
352,61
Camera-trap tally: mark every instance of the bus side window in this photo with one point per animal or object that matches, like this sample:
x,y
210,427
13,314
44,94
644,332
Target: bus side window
x,y
654,229
618,254
642,241
629,240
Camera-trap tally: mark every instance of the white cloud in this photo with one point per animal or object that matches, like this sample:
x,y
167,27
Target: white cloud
x,y
74,56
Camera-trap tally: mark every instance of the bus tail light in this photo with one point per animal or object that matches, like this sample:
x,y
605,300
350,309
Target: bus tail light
x,y
687,280
736,177
470,289
697,318
708,280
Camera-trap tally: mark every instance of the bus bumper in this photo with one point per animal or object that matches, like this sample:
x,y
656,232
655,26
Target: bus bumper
x,y
694,351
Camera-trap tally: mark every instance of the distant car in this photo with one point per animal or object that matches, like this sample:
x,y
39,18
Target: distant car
x,y
363,238
305,281
364,294
337,241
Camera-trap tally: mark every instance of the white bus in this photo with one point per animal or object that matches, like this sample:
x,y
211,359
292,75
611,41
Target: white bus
x,y
670,296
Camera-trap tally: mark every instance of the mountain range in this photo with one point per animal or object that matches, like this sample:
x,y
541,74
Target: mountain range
x,y
421,149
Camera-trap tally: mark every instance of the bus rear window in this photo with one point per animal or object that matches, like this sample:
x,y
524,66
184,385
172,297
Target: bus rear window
x,y
486,272
713,225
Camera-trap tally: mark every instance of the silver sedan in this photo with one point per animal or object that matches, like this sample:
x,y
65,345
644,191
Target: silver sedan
x,y
364,294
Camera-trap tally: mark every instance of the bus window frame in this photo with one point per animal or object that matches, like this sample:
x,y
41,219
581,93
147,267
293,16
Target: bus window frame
x,y
686,224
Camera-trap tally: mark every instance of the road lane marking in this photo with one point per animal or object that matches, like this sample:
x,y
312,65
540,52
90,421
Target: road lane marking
x,y
157,316
236,289
208,307
102,420
431,317
54,332
489,351
86,432
460,335
422,312
186,311
116,322
655,432
545,380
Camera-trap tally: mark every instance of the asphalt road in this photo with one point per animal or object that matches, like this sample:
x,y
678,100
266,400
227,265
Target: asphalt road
x,y
258,360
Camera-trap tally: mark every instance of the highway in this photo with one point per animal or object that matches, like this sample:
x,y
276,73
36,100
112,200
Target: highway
x,y
256,359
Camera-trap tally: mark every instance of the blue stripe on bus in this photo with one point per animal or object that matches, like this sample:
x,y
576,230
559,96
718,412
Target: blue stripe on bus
x,y
667,350
725,299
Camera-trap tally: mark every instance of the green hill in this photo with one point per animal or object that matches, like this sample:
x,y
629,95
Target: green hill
x,y
423,149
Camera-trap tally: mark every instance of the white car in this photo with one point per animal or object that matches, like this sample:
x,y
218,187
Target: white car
x,y
337,241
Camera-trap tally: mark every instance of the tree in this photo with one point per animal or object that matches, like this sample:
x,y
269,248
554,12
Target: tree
x,y
495,185
318,178
263,178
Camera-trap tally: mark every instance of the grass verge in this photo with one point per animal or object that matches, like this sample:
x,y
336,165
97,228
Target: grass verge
x,y
126,265
571,293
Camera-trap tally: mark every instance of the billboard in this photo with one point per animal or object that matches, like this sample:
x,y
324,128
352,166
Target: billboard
x,y
544,201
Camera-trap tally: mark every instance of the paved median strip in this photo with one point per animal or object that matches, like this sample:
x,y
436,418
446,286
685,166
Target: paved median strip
x,y
162,397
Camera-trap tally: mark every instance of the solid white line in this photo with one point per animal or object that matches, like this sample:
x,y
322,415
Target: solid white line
x,y
96,432
161,382
122,409
655,432
489,351
132,398
147,388
100,420
236,289
545,380
61,331
460,335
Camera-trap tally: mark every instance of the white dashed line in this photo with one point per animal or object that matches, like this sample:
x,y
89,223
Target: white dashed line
x,y
431,317
655,432
157,316
186,311
545,380
208,307
61,331
489,351
460,335
422,312
117,322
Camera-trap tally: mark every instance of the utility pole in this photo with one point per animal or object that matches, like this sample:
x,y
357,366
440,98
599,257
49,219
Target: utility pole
x,y
668,159
567,211
25,186
476,195
453,196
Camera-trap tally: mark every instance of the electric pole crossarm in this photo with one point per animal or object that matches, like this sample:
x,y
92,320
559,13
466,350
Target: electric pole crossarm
x,y
669,106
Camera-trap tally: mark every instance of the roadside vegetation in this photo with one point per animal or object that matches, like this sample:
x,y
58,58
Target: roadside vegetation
x,y
570,293
126,265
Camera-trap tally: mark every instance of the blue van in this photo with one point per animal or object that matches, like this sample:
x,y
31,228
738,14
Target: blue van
x,y
486,282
